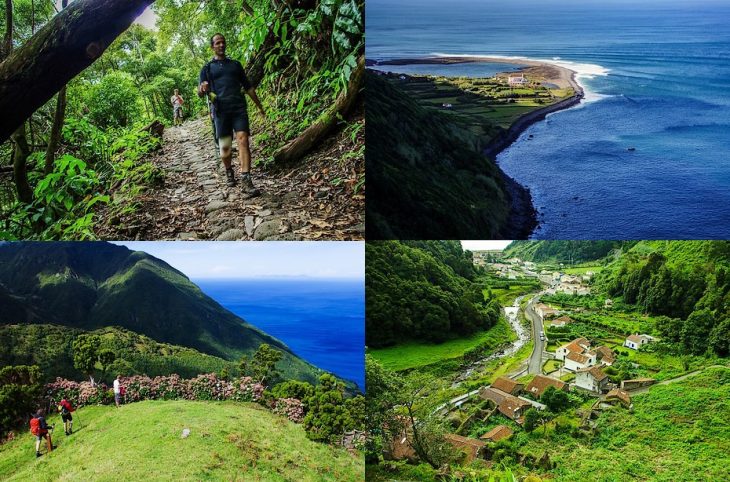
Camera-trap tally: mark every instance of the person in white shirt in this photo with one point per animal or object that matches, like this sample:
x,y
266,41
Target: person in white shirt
x,y
117,390
177,102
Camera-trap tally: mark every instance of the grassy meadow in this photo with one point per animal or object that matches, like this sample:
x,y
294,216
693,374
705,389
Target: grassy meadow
x,y
142,441
417,354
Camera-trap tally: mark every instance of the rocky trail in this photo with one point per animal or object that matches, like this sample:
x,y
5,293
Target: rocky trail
x,y
318,198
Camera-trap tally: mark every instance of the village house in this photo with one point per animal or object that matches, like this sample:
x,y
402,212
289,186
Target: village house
x,y
592,379
517,80
579,345
605,355
562,321
497,433
508,385
493,395
514,408
469,446
545,312
579,361
637,341
539,384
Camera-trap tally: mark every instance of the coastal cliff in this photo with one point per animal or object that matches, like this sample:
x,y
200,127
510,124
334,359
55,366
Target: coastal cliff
x,y
428,177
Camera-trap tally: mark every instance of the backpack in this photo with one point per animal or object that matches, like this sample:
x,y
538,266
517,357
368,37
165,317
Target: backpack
x,y
122,391
35,426
65,407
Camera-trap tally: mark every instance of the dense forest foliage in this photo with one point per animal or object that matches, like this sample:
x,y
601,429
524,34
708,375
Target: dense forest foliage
x,y
686,281
50,347
567,252
426,174
423,290
85,150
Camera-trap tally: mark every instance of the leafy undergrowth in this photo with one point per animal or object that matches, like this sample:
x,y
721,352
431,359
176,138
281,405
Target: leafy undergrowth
x,y
142,441
679,431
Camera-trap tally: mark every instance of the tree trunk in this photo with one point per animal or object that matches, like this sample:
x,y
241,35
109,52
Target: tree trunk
x,y
7,46
298,147
20,171
55,137
65,46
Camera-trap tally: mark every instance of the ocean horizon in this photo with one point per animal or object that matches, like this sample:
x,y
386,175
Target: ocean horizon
x,y
657,80
320,320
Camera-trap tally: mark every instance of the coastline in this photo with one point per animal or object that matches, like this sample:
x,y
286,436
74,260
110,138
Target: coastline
x,y
523,215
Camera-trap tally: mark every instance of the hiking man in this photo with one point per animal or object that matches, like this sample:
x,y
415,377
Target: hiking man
x,y
177,101
117,390
222,79
39,428
65,408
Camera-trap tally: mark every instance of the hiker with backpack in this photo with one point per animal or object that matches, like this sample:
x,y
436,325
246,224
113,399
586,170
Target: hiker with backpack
x,y
223,79
177,102
65,408
39,428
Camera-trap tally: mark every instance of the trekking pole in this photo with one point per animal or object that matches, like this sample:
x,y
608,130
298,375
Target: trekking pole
x,y
210,114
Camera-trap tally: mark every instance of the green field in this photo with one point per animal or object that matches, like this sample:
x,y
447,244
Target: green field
x,y
485,106
507,296
582,269
142,441
415,354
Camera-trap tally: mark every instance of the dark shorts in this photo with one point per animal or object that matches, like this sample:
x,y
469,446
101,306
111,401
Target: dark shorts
x,y
117,397
41,436
228,122
66,417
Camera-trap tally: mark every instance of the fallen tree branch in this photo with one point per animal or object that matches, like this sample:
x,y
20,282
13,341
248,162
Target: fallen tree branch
x,y
313,134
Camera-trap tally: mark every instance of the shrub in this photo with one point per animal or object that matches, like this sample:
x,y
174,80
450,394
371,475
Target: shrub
x,y
20,389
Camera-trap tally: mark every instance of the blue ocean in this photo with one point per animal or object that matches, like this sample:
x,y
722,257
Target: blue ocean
x,y
322,321
657,78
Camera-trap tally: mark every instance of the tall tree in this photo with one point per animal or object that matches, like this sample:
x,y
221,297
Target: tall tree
x,y
66,45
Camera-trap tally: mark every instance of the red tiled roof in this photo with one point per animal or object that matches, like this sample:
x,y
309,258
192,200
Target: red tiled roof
x,y
507,385
540,383
510,404
578,358
634,338
619,394
496,396
497,433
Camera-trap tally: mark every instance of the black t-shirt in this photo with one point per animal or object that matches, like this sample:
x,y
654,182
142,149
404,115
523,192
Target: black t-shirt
x,y
226,80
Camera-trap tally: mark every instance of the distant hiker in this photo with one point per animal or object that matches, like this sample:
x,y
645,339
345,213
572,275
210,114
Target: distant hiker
x,y
223,79
177,102
65,408
39,428
117,390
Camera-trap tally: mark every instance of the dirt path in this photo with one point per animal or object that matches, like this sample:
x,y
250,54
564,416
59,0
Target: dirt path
x,y
673,380
313,200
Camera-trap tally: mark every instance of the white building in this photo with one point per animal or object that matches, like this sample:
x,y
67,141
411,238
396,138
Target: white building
x,y
637,341
515,80
592,379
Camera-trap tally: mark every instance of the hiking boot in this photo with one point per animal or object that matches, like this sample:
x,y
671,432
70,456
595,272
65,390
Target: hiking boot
x,y
247,186
230,179
67,433
38,454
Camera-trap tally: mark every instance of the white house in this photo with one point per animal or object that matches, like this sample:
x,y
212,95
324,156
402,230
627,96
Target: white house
x,y
544,311
579,346
579,361
592,379
562,321
517,80
637,341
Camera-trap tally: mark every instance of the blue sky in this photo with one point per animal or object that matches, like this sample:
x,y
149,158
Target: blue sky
x,y
275,259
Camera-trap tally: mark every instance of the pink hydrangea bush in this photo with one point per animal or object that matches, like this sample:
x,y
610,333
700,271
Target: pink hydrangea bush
x,y
290,408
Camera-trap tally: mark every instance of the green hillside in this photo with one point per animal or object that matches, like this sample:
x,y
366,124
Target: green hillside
x,y
568,252
423,290
142,441
679,431
50,347
427,178
94,285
